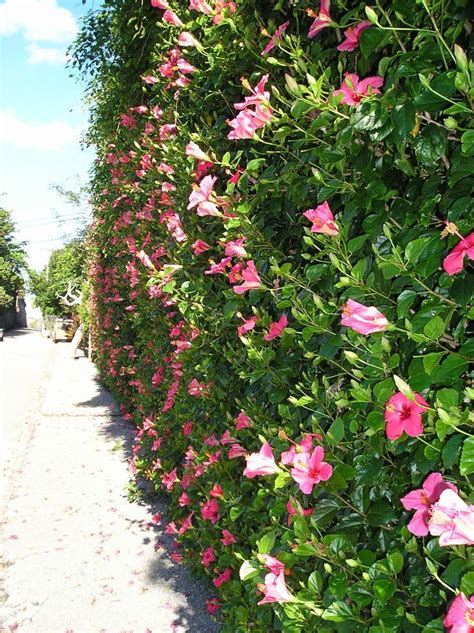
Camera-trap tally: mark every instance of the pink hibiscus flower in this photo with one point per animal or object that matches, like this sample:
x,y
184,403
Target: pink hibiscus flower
x,y
322,19
363,319
274,589
454,262
247,325
235,248
210,511
242,421
352,36
309,469
452,520
322,219
200,247
208,556
273,564
275,38
422,499
223,577
261,463
204,198
171,17
404,415
251,279
194,151
277,328
228,538
460,616
354,90
213,605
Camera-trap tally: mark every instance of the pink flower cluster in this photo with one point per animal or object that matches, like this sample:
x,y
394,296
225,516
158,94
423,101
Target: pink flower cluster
x,y
254,112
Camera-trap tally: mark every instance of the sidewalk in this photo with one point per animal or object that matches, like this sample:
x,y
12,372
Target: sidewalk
x,y
78,557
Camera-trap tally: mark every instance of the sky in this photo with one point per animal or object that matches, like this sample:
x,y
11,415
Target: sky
x,y
41,120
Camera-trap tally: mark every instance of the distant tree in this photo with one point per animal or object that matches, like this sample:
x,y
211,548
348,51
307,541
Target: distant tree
x,y
64,271
12,262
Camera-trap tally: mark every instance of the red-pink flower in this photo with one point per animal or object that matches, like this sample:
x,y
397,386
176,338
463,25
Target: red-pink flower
x,y
187,428
208,556
422,499
171,17
242,421
322,219
251,279
275,38
196,388
261,463
276,328
204,198
236,451
210,511
454,262
212,605
235,248
452,520
363,319
168,479
273,564
248,121
460,616
160,4
296,510
200,247
228,538
352,36
354,90
200,5
275,589
404,415
216,491
194,151
184,499
322,19
309,469
222,577
187,39
247,325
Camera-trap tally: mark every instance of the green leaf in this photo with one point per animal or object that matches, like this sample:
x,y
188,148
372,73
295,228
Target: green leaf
x,y
434,329
467,457
300,527
249,569
450,452
404,118
266,543
467,583
315,582
381,513
370,40
337,612
396,562
335,432
384,589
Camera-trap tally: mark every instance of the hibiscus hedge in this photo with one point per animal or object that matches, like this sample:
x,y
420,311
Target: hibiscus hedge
x,y
281,297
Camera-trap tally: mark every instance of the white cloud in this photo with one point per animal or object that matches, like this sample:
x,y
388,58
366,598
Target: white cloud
x,y
38,20
38,54
20,134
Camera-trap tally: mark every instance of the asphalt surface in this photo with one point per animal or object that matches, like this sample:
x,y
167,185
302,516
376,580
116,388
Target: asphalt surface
x,y
76,555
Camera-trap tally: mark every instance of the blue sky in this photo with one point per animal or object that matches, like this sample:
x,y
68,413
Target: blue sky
x,y
41,118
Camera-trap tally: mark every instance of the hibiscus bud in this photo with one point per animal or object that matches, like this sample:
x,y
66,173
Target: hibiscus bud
x,y
351,357
343,282
352,563
385,344
327,568
366,576
357,373
461,58
319,303
450,122
371,15
334,261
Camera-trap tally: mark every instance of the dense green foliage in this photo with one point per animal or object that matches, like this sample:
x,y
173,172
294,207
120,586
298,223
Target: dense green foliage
x,y
12,262
66,264
394,166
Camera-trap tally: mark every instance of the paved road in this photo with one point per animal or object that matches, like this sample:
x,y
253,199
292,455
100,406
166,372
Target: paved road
x,y
25,361
77,556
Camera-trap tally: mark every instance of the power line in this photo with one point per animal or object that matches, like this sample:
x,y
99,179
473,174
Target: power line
x,y
65,218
